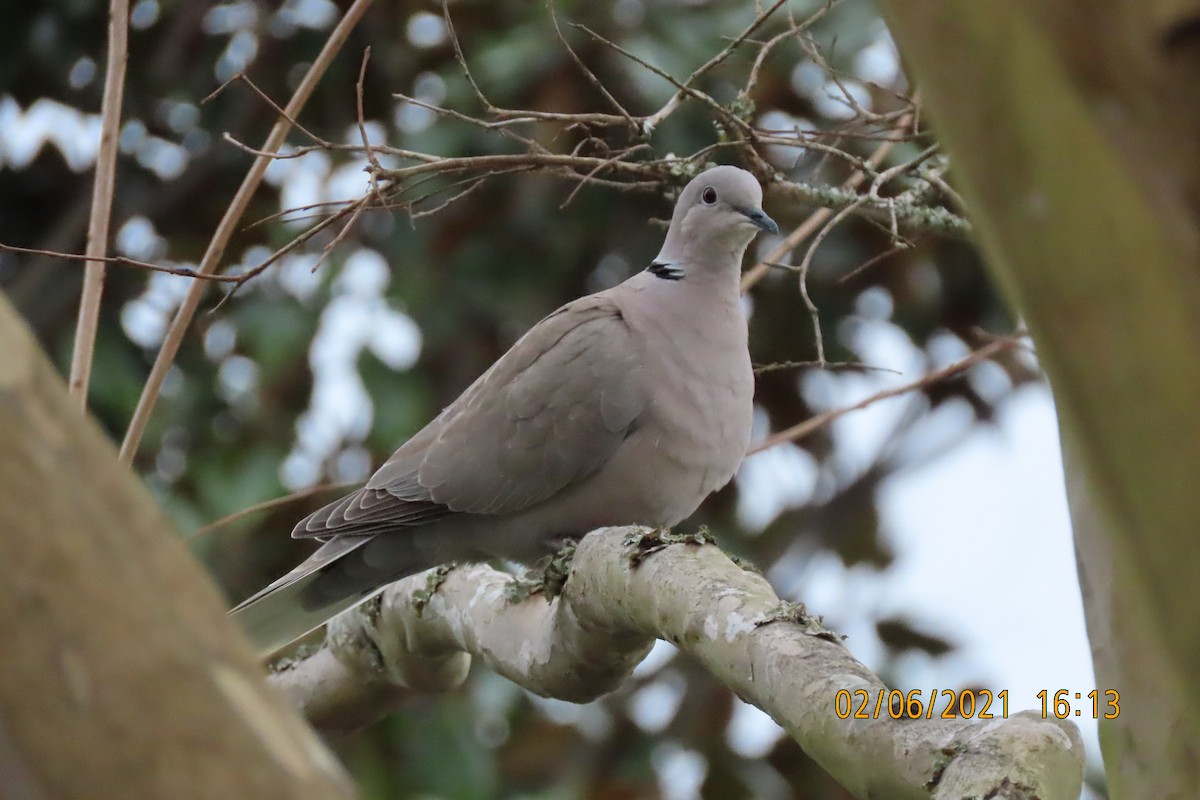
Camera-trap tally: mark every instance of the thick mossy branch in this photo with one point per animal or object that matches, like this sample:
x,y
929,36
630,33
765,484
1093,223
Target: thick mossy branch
x,y
628,586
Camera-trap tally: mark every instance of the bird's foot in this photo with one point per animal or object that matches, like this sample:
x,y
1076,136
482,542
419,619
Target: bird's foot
x,y
645,543
433,581
546,576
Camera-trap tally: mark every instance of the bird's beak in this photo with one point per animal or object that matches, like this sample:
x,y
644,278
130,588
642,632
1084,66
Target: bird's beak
x,y
761,220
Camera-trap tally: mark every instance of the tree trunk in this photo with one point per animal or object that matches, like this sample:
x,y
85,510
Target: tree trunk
x,y
1073,127
120,676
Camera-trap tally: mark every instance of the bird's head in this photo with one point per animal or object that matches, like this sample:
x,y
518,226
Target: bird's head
x,y
718,214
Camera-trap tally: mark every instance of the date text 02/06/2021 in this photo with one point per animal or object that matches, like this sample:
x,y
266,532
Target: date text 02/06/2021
x,y
970,703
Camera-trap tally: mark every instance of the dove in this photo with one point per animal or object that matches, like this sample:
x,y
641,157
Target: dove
x,y
624,407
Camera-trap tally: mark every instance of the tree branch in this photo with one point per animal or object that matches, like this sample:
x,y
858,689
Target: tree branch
x,y
627,586
801,429
816,219
226,227
102,198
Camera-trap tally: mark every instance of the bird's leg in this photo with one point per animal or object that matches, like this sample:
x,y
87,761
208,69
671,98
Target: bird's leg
x,y
549,573
646,542
433,582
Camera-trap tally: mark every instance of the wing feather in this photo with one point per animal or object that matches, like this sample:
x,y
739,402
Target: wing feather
x,y
548,413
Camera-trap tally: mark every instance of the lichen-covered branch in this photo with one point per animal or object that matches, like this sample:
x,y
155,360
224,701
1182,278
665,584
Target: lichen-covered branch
x,y
628,586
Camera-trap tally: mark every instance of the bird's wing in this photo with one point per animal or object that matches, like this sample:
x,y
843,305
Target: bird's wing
x,y
548,413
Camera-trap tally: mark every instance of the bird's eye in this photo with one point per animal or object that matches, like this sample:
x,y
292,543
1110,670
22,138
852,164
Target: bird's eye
x,y
709,195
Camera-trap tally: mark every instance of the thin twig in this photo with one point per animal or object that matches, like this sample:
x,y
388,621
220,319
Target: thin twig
x,y
360,119
225,229
587,73
461,58
935,178
684,89
794,30
651,170
373,170
496,124
259,268
803,429
804,266
102,199
777,366
586,178
266,505
899,169
121,261
875,259
472,185
242,77
818,217
505,116
282,216
800,142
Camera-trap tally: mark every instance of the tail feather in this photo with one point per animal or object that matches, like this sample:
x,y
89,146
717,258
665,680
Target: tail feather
x,y
344,572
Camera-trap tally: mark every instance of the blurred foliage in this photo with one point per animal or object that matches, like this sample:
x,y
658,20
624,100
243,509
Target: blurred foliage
x,y
472,278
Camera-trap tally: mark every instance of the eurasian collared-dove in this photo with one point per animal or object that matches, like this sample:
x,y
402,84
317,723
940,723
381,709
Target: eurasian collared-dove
x,y
628,406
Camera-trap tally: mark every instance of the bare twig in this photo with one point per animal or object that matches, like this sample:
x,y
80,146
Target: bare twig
x,y
471,185
804,267
777,366
899,169
655,119
587,73
565,164
283,215
898,247
267,505
362,123
373,170
495,124
121,261
818,217
505,117
462,59
242,77
934,176
799,141
299,240
598,168
793,30
683,89
225,229
809,426
102,198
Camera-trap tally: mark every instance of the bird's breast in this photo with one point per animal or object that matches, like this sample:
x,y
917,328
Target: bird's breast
x,y
702,398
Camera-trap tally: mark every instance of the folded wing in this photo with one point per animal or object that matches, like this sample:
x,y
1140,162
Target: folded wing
x,y
549,413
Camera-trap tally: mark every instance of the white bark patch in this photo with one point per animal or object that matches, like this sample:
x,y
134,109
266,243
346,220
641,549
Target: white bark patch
x,y
736,624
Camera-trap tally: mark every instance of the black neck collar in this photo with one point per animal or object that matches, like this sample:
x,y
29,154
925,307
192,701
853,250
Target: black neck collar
x,y
668,272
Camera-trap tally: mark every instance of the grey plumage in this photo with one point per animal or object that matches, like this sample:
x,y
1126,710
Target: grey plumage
x,y
628,406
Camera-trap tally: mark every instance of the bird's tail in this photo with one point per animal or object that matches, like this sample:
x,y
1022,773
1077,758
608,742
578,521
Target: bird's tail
x,y
341,574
